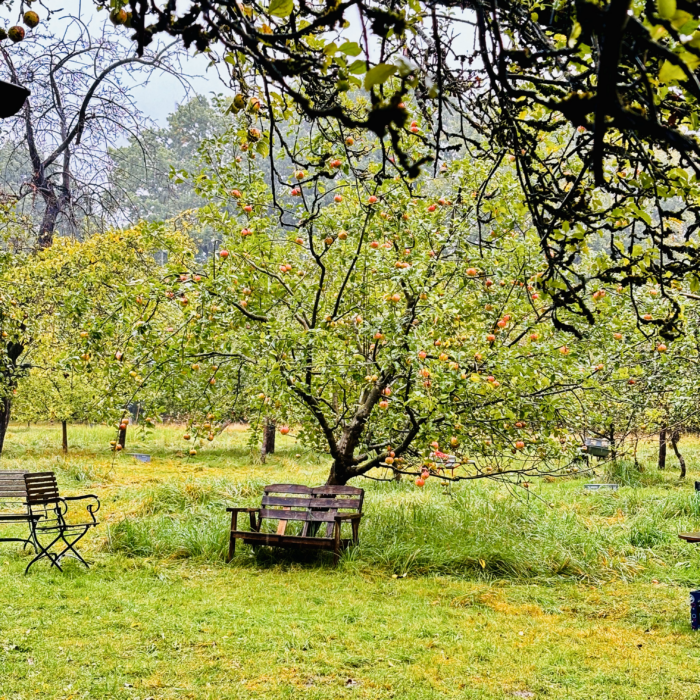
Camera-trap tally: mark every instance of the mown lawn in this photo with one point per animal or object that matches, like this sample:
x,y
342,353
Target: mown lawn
x,y
559,596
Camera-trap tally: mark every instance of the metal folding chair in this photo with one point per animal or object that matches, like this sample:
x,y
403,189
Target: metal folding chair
x,y
50,528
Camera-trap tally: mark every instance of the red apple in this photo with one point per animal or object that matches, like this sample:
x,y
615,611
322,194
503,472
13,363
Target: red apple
x,y
372,199
284,429
420,482
338,198
223,254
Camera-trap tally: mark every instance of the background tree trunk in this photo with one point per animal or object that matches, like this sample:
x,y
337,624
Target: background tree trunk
x,y
64,432
122,437
5,410
268,440
662,449
675,439
269,436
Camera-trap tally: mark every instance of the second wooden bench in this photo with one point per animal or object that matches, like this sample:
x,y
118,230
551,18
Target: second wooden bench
x,y
320,512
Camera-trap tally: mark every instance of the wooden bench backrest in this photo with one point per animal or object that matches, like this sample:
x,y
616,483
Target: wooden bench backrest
x,y
328,501
13,491
285,502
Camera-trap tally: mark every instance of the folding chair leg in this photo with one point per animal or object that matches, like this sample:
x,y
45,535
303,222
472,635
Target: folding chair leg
x,y
70,547
44,553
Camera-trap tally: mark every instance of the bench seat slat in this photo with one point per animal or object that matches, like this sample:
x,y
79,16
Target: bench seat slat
x,y
271,538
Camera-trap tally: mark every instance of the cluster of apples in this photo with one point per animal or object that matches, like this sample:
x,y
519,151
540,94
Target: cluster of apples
x,y
16,33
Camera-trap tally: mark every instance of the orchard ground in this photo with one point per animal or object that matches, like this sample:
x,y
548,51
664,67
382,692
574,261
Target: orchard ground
x,y
467,592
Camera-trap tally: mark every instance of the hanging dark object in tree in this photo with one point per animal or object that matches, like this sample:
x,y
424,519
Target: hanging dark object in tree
x,y
12,99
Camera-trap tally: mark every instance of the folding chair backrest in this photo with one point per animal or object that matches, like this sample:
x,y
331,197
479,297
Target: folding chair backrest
x,y
329,501
42,489
285,502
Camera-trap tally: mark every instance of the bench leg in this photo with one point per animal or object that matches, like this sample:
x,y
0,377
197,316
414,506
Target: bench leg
x,y
232,539
336,544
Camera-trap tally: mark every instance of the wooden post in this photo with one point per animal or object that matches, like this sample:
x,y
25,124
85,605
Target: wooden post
x,y
64,431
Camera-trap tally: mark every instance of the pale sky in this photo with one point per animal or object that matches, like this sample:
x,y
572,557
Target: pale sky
x,y
160,97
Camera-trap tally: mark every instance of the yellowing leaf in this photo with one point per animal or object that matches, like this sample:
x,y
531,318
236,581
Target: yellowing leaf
x,y
666,8
378,75
690,60
283,8
669,72
680,18
575,33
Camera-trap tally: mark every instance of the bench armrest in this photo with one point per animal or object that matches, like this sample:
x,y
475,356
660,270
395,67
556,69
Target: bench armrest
x,y
242,510
90,506
348,516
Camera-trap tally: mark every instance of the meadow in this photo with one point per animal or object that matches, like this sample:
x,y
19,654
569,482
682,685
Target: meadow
x,y
470,591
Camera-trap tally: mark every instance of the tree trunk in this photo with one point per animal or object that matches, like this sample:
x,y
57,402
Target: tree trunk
x,y
122,437
662,449
268,440
48,223
64,431
675,439
340,473
5,409
269,437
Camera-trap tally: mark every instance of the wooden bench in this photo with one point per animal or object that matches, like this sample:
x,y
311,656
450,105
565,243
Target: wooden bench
x,y
13,504
319,512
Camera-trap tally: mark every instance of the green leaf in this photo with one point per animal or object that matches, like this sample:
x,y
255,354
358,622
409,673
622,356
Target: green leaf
x,y
350,48
357,67
283,8
378,75
666,8
670,72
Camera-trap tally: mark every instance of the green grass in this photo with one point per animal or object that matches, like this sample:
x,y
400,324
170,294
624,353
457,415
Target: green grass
x,y
469,592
